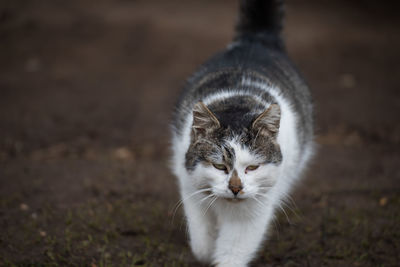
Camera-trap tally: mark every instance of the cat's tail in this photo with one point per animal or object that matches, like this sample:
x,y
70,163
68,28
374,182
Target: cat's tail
x,y
260,17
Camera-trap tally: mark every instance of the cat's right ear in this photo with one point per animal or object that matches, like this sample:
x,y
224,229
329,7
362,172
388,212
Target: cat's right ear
x,y
204,121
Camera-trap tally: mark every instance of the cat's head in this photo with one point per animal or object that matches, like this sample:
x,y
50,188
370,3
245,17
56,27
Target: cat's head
x,y
236,156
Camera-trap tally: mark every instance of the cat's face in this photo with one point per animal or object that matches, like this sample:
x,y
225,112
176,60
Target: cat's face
x,y
234,165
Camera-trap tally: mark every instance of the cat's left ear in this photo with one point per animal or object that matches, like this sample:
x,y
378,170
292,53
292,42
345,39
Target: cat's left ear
x,y
204,121
267,123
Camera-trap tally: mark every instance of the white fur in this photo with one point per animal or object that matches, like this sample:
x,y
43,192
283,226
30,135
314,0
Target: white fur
x,y
228,232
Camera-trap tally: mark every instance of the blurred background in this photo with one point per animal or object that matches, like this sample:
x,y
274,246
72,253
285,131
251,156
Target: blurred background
x,y
86,94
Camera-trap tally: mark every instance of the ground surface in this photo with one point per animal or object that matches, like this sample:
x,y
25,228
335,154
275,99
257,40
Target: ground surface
x,y
86,92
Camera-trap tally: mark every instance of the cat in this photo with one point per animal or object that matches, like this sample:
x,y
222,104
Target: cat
x,y
242,134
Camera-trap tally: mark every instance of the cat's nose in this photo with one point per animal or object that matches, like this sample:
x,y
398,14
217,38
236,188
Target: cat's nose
x,y
235,189
235,184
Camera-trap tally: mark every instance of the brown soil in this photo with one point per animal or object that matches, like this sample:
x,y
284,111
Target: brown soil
x,y
86,93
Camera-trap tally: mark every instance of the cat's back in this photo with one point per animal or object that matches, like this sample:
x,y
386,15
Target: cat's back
x,y
256,66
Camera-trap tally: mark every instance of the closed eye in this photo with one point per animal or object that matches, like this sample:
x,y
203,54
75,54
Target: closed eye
x,y
252,168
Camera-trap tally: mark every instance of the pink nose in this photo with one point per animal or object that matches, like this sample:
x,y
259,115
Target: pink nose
x,y
235,189
235,184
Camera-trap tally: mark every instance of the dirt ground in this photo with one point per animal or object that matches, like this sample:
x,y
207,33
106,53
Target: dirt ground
x,y
86,93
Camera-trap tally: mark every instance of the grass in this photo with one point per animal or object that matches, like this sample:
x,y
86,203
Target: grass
x,y
120,230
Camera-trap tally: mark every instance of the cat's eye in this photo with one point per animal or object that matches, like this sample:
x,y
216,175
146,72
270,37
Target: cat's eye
x,y
221,167
252,167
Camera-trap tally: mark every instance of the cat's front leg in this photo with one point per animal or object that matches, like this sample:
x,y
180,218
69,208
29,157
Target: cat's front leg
x,y
238,241
201,230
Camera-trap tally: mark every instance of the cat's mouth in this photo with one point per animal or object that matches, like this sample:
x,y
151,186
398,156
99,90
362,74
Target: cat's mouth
x,y
234,199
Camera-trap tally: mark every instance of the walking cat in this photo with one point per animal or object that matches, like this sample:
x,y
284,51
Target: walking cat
x,y
242,135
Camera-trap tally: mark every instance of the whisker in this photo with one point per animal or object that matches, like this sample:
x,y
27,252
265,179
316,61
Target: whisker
x,y
274,219
276,224
212,202
286,204
261,195
180,202
292,209
287,217
202,200
191,195
294,206
264,189
262,204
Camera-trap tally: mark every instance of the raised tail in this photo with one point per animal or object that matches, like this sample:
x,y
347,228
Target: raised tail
x,y
258,17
